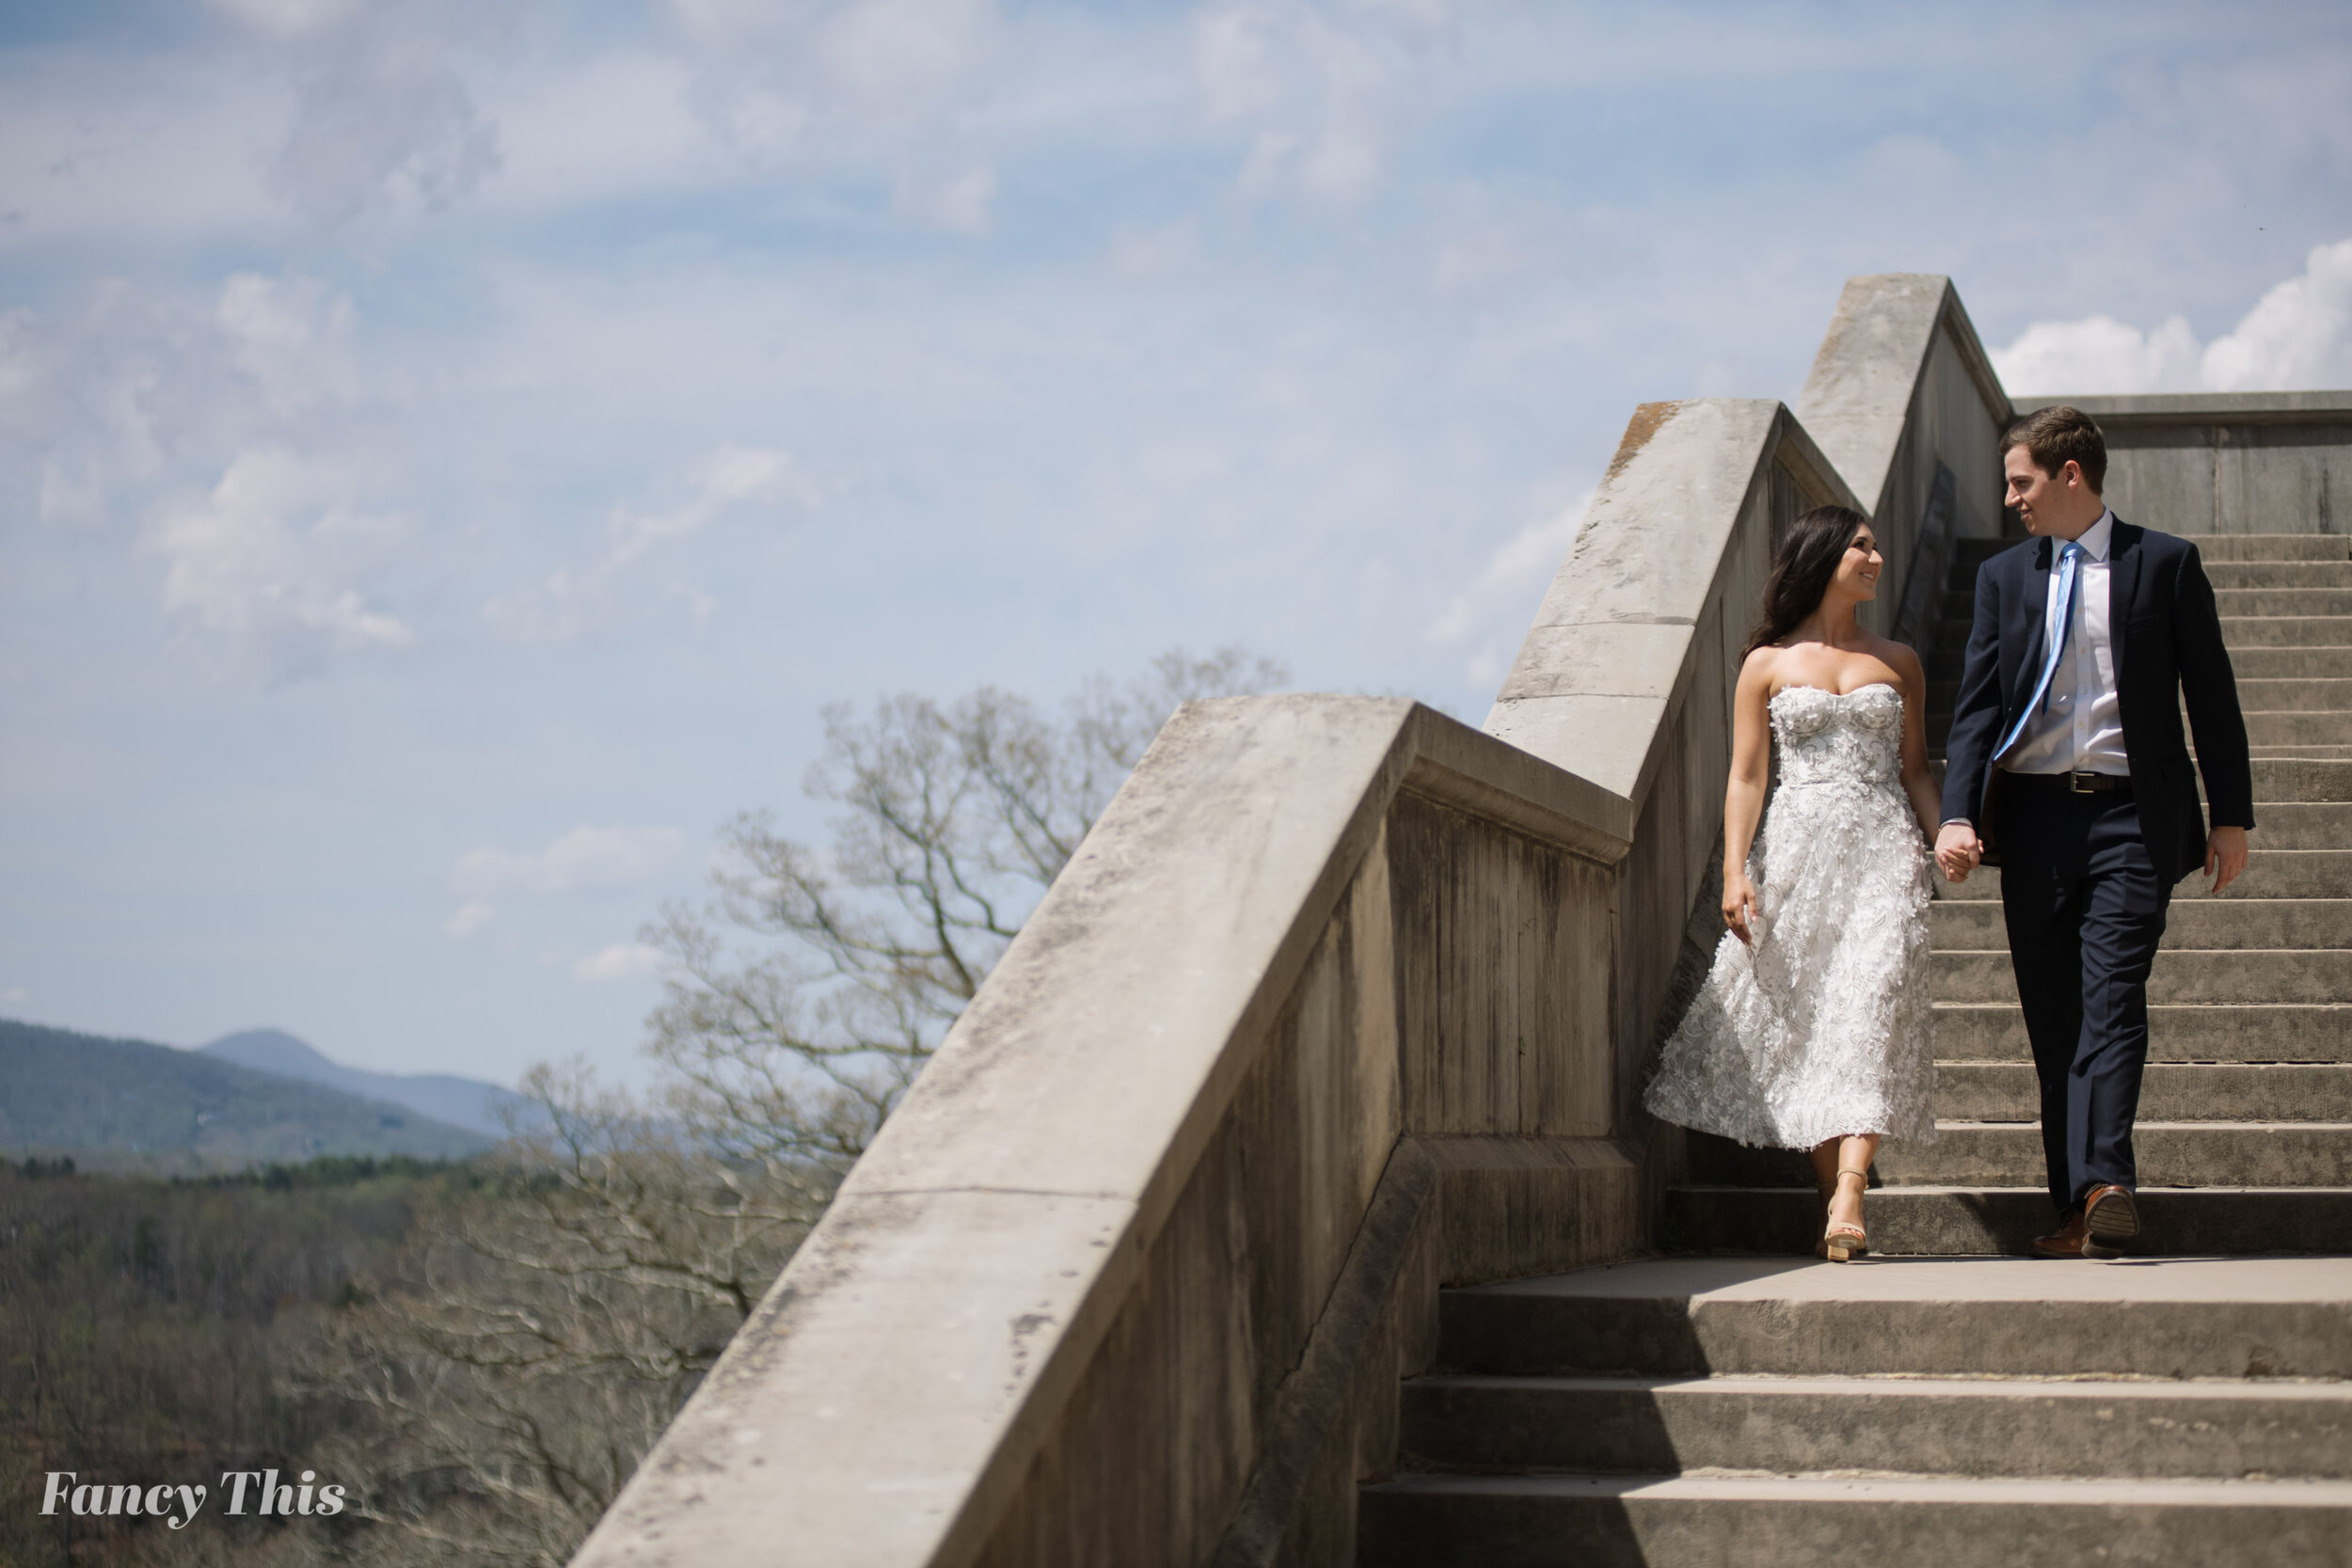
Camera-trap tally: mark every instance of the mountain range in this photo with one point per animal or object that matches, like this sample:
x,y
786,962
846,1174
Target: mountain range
x,y
246,1099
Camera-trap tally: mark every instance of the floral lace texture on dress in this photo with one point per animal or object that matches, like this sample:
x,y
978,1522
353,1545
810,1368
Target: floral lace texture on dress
x,y
1822,1028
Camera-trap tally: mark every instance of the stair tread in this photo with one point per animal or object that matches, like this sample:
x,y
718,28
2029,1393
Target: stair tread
x,y
2040,1492
1700,1280
1746,1383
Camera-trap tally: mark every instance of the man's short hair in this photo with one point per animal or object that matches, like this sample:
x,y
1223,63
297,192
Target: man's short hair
x,y
2057,435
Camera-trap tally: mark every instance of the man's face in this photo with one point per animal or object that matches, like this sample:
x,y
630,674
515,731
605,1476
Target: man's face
x,y
2045,503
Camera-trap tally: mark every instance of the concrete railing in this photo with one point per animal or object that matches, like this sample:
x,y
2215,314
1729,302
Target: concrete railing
x,y
2226,462
1340,1002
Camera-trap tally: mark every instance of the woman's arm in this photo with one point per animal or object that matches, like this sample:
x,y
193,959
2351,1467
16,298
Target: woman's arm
x,y
1927,801
1743,797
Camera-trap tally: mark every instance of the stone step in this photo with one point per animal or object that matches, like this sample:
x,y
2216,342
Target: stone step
x,y
2193,975
1420,1521
2237,603
2271,547
2304,753
2169,1091
2276,781
2295,600
2238,631
2305,825
2193,923
2299,731
2255,663
1973,1222
2218,1431
2296,695
2168,1154
1933,1317
2269,873
2278,574
2271,1032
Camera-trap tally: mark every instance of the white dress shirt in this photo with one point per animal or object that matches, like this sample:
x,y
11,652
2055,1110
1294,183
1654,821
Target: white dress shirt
x,y
2081,727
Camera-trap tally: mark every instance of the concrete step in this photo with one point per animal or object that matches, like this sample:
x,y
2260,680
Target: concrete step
x,y
2192,923
2283,631
2169,1091
2293,600
2168,1153
2220,1430
1930,1317
2270,1032
2271,547
1973,1222
2237,603
2252,975
2278,574
2306,753
2269,874
2238,631
2299,731
1419,1521
2275,781
2302,694
2305,825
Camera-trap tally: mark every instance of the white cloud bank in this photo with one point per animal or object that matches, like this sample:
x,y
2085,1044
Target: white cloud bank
x,y
2297,337
1489,613
586,859
623,960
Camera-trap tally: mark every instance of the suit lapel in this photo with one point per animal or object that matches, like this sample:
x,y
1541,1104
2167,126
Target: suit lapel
x,y
2123,584
2037,604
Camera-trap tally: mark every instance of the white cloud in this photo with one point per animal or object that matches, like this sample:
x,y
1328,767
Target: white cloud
x,y
2298,335
1320,96
574,599
269,552
291,338
586,859
287,19
1490,611
468,920
623,960
16,993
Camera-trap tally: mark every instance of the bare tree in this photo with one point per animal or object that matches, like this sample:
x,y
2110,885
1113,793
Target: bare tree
x,y
540,1334
954,820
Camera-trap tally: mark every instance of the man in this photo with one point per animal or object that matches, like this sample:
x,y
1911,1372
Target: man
x,y
2066,768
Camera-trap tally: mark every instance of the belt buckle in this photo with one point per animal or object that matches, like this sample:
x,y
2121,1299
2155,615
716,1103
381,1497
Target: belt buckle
x,y
2078,782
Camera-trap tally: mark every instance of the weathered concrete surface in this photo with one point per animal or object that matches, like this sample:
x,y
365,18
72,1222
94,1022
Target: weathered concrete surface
x,y
2228,463
1137,1174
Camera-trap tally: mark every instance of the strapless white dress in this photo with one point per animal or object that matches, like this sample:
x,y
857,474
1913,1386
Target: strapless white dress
x,y
1824,1027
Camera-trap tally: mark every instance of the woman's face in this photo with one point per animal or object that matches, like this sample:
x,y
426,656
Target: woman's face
x,y
1858,573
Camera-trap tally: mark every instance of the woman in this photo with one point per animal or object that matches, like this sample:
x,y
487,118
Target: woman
x,y
1812,1029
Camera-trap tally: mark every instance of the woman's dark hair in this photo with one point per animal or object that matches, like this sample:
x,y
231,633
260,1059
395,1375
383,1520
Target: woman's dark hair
x,y
1802,569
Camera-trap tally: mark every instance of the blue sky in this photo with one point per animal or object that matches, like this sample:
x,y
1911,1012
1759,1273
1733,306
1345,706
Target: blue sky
x,y
450,452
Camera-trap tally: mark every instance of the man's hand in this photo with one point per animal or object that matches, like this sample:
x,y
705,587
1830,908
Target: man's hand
x,y
1958,849
2225,856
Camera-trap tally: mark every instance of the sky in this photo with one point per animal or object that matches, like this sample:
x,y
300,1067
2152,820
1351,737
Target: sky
x,y
451,451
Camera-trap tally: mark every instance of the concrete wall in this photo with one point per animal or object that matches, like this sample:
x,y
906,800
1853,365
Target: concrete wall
x,y
2227,461
1317,1020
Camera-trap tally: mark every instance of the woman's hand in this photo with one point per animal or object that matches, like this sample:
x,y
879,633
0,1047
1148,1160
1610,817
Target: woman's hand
x,y
1739,904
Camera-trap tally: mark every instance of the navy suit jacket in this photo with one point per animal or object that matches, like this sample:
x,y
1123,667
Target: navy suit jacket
x,y
2167,647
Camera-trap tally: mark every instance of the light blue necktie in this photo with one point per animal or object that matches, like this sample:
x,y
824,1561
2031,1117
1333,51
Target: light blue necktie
x,y
2068,559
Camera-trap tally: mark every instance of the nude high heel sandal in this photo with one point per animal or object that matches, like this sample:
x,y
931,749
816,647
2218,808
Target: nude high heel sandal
x,y
1843,1243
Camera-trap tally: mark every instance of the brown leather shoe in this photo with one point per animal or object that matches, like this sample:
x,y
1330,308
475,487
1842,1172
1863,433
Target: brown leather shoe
x,y
2110,1218
2066,1240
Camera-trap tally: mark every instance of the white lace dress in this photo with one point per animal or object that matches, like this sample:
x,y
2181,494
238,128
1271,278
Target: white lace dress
x,y
1822,1029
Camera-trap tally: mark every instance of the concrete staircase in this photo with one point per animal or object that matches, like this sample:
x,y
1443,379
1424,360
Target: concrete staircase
x,y
1969,1413
1954,1402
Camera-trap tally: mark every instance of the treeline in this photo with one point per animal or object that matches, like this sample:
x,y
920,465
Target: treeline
x,y
147,1326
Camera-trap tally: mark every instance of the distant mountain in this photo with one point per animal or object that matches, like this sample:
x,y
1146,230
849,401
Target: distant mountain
x,y
117,1102
467,1102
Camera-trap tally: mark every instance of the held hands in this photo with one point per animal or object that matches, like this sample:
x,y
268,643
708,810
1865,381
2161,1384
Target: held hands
x,y
1958,849
2225,856
1739,904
